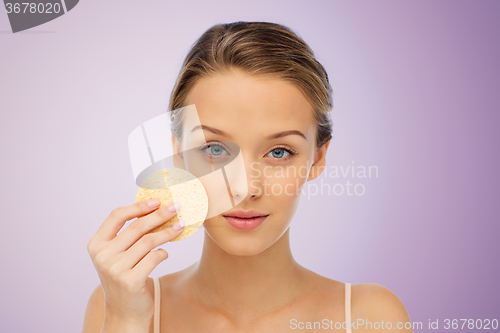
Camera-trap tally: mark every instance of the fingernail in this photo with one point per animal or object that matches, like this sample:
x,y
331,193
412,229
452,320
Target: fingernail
x,y
172,208
153,203
178,225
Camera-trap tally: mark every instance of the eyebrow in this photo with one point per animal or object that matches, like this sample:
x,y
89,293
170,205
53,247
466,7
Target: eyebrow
x,y
270,137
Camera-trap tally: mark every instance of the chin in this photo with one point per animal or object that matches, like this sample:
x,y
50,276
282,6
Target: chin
x,y
239,245
239,249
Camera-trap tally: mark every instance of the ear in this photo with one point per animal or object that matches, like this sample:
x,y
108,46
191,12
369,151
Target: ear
x,y
319,163
178,158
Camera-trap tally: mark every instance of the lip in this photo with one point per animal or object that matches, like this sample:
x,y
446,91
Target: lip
x,y
245,224
245,220
242,214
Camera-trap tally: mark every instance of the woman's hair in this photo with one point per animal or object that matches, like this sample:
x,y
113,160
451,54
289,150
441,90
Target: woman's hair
x,y
257,48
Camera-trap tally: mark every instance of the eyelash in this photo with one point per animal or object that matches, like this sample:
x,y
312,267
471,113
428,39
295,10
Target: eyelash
x,y
290,151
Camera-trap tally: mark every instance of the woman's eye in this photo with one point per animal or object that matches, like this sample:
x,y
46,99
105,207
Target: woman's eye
x,y
215,150
279,153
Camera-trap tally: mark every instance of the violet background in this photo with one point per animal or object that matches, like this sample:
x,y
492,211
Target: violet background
x,y
415,92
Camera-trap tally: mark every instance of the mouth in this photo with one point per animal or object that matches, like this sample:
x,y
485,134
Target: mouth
x,y
242,220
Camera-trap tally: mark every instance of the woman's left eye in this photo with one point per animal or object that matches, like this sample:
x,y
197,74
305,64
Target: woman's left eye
x,y
279,153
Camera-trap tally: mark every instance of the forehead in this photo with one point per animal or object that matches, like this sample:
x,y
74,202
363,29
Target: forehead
x,y
239,103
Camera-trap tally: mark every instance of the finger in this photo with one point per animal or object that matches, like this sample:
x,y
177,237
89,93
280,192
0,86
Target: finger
x,y
139,227
146,243
115,221
144,268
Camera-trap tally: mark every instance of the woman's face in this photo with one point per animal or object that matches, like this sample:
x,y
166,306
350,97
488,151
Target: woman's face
x,y
248,111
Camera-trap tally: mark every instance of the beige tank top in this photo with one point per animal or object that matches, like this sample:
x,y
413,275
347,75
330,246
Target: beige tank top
x,y
156,318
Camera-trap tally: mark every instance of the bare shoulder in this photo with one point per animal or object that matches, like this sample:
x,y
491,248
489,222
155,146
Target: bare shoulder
x,y
378,305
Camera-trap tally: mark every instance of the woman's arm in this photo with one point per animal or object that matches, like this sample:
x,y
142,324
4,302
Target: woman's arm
x,y
94,315
93,321
124,301
375,308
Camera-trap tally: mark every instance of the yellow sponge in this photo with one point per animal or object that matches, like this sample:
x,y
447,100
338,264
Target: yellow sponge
x,y
169,185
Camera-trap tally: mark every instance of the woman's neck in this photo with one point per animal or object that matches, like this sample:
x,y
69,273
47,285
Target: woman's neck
x,y
246,286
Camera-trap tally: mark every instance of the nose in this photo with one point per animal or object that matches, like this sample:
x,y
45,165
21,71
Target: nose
x,y
241,179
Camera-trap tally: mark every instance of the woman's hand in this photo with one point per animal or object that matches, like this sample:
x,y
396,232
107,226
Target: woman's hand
x,y
124,261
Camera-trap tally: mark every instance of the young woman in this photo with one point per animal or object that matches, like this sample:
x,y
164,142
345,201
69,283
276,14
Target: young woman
x,y
258,85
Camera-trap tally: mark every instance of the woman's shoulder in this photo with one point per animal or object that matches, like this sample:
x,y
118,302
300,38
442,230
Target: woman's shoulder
x,y
172,283
171,279
375,303
366,295
370,302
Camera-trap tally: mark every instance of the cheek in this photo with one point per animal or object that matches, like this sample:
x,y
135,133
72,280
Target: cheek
x,y
285,185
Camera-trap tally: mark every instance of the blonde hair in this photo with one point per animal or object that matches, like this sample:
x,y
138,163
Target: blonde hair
x,y
258,48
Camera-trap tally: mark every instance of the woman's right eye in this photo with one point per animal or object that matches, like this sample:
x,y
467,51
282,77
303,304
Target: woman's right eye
x,y
214,150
